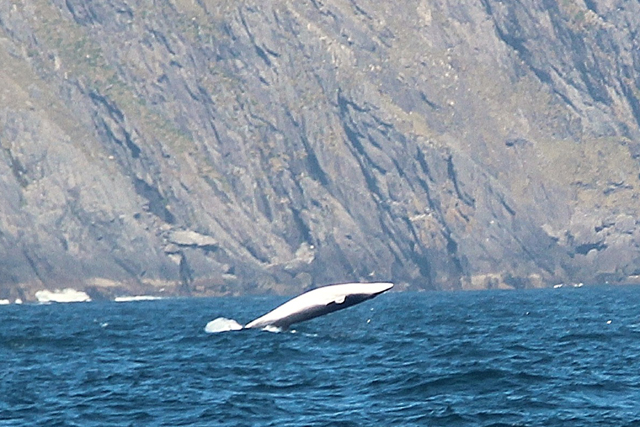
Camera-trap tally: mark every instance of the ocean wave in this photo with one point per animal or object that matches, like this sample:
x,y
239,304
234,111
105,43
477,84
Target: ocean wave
x,y
136,298
61,296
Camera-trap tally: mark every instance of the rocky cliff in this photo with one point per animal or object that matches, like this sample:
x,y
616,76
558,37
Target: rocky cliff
x,y
224,147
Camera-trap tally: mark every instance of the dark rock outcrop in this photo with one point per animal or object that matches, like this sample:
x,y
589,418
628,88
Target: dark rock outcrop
x,y
219,148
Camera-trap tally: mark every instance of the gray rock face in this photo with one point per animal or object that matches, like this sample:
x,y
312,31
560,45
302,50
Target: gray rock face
x,y
221,148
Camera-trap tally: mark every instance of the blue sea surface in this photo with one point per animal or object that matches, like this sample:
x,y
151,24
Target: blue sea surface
x,y
552,357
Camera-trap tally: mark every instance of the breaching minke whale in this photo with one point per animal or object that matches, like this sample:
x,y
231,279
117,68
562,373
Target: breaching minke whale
x,y
309,305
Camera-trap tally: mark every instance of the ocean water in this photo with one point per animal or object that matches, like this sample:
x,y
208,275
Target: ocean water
x,y
556,357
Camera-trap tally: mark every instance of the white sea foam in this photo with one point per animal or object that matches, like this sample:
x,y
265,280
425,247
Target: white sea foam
x,y
222,324
136,298
64,295
4,302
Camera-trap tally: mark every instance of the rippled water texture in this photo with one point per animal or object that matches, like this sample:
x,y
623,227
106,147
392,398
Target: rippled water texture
x,y
564,357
